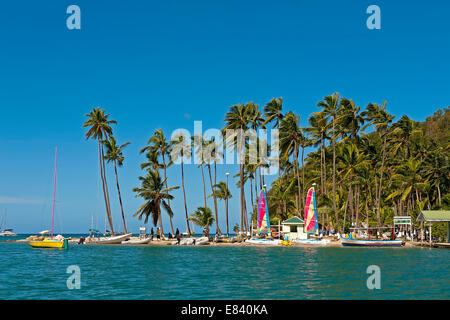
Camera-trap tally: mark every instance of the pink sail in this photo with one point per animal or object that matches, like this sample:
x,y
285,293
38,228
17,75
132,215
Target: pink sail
x,y
310,212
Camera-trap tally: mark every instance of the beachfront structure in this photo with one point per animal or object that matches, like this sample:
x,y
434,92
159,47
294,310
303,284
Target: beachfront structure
x,y
431,216
293,229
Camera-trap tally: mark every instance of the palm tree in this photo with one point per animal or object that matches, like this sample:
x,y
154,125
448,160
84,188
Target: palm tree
x,y
155,194
291,137
330,105
203,217
272,112
199,143
157,145
180,149
212,154
238,118
114,154
380,118
318,131
222,192
100,129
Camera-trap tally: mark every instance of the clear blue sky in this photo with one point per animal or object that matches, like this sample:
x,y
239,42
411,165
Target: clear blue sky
x,y
164,64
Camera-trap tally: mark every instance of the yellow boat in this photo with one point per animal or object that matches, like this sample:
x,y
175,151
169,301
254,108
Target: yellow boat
x,y
49,243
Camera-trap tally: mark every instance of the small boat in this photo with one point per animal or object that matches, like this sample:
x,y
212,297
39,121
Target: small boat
x,y
109,240
6,232
270,242
314,242
201,241
349,242
187,242
137,241
58,241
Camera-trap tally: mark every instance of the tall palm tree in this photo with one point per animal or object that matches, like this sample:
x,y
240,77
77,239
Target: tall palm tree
x,y
100,129
238,118
155,194
222,192
114,154
158,145
318,131
203,218
291,137
378,116
330,105
180,149
198,143
212,154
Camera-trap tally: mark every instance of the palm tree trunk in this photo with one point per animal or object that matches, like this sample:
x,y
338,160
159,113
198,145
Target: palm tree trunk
x,y
106,188
168,200
334,176
120,198
297,174
381,182
204,185
102,175
184,196
215,200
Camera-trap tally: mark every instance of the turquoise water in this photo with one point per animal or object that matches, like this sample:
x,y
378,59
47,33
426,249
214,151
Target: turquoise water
x,y
207,272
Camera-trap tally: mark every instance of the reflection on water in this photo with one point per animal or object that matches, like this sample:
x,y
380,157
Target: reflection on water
x,y
207,272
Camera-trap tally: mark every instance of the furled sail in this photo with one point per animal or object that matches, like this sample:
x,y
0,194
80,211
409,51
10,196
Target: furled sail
x,y
263,214
311,225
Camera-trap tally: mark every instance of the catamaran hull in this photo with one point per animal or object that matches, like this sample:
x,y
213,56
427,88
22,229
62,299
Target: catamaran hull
x,y
141,241
265,242
371,243
109,240
312,242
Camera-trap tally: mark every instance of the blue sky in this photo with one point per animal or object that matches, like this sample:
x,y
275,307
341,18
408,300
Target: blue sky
x,y
164,64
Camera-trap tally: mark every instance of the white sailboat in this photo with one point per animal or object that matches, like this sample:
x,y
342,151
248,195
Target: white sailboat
x,y
6,232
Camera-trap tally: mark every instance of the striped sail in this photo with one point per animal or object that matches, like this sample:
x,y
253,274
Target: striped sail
x,y
311,212
263,214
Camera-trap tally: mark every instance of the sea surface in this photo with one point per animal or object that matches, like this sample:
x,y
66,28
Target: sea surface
x,y
226,272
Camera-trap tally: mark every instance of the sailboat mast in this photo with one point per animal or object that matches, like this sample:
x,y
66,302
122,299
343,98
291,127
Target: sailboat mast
x,y
54,191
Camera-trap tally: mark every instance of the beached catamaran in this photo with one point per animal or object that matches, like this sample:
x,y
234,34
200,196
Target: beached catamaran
x,y
263,223
311,222
58,241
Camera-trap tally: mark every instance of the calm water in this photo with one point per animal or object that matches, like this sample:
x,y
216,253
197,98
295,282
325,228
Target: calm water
x,y
206,272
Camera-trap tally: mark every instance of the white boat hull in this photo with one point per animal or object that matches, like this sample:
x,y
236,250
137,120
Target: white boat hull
x,y
109,240
371,243
265,242
139,241
312,242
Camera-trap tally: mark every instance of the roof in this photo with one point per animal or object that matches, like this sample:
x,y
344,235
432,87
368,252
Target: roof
x,y
293,220
434,216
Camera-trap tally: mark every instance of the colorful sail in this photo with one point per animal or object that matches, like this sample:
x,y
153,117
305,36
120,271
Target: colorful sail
x,y
263,214
311,225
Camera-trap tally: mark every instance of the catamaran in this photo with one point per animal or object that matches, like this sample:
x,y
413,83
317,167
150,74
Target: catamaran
x,y
263,223
311,222
58,241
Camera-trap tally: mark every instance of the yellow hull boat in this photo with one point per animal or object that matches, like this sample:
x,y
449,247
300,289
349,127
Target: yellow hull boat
x,y
49,243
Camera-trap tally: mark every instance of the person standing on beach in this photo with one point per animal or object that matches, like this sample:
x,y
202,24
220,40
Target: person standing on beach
x,y
178,237
177,233
152,233
158,235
